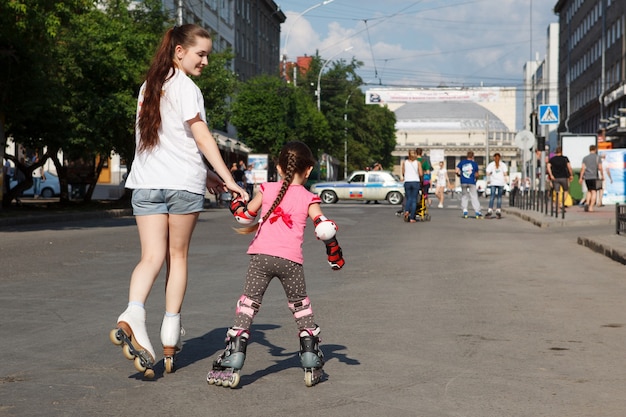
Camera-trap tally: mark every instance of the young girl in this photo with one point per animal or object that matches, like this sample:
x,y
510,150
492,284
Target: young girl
x,y
276,251
168,179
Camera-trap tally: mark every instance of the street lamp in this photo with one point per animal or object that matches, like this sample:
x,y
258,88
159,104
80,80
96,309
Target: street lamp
x,y
319,77
325,2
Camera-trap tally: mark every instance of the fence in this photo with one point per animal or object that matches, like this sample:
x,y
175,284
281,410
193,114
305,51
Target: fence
x,y
546,202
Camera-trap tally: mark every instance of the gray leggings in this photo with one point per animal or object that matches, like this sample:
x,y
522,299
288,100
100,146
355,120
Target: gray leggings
x,y
261,270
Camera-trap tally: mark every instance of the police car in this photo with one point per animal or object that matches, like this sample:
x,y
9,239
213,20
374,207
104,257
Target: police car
x,y
362,186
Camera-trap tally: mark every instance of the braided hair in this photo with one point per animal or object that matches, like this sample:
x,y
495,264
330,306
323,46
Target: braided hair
x,y
294,158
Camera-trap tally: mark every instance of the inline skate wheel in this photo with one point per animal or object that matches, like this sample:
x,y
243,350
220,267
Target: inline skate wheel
x,y
113,336
308,378
233,381
127,353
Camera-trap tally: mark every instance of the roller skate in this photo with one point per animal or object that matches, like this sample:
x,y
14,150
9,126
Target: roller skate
x,y
489,214
465,214
498,214
171,332
311,357
226,367
479,215
132,336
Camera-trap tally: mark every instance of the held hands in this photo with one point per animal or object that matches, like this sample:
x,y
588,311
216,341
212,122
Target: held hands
x,y
239,208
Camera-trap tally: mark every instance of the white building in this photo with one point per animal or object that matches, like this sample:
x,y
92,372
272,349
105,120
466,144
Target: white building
x,y
449,122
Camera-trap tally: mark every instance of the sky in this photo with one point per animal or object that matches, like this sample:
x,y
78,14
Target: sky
x,y
425,43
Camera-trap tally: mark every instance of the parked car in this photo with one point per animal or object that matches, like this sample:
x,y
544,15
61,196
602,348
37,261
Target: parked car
x,y
363,186
49,188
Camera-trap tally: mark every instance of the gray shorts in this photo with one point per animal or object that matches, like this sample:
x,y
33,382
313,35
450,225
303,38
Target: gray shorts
x,y
559,183
146,202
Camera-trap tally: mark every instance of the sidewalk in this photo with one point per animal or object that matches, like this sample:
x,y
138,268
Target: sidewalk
x,y
611,244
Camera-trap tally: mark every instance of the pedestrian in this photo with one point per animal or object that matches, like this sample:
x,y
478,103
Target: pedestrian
x,y
426,170
276,251
411,171
590,172
376,167
443,182
467,170
600,190
561,174
497,173
168,178
250,180
7,176
38,175
238,175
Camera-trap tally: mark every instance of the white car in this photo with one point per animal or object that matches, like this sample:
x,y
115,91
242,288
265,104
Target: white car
x,y
363,186
49,188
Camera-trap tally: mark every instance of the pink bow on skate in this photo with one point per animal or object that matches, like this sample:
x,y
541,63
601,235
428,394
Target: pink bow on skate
x,y
278,213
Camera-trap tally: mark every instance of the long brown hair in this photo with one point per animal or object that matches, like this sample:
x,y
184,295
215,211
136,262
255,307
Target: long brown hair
x,y
294,158
161,70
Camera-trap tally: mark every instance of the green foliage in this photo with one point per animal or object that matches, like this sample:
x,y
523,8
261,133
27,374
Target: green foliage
x,y
268,112
218,82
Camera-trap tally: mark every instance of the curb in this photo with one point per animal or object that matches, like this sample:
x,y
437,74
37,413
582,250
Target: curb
x,y
604,245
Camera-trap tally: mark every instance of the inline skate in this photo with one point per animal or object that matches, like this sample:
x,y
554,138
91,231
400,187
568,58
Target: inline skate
x,y
226,367
311,357
171,332
132,336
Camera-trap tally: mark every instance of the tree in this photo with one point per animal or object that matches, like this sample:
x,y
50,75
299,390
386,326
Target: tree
x,y
70,73
218,83
368,129
267,113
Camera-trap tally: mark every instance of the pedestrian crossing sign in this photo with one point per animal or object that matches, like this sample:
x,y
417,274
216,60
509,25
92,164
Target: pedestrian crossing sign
x,y
549,114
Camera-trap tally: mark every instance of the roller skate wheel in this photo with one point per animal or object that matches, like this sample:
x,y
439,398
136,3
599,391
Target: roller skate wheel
x,y
149,373
138,365
233,381
127,353
169,364
114,338
308,379
210,380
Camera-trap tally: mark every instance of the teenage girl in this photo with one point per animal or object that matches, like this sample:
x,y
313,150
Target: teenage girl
x,y
168,179
276,251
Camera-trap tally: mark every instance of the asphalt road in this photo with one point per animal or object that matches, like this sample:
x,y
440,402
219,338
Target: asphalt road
x,y
452,317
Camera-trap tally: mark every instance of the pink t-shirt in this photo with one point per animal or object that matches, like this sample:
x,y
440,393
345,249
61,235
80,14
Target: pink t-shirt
x,y
282,233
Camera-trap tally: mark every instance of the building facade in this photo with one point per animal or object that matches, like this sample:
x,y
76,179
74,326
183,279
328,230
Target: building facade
x,y
250,28
592,79
541,88
448,122
257,38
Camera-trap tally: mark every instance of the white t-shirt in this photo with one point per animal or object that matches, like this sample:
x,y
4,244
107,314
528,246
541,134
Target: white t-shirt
x,y
497,176
176,162
442,177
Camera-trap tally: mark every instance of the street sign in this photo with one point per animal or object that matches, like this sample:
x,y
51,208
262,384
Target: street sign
x,y
549,114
